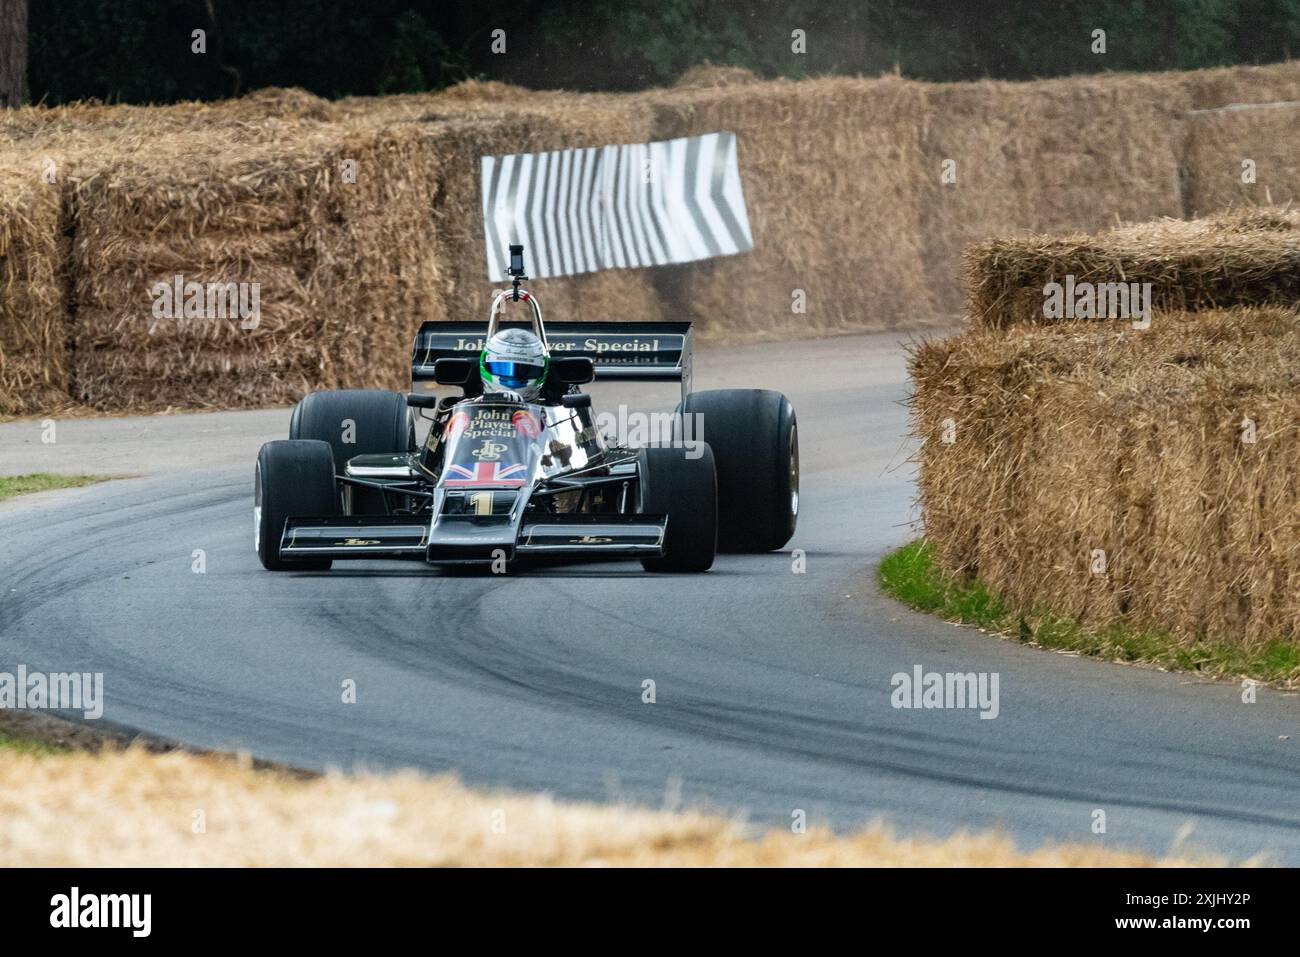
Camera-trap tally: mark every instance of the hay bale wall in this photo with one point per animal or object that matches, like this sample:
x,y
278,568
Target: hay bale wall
x,y
841,176
347,271
33,333
467,128
1074,154
1220,141
206,209
832,175
1170,454
1086,152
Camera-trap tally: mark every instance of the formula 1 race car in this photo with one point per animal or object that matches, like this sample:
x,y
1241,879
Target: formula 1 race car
x,y
500,480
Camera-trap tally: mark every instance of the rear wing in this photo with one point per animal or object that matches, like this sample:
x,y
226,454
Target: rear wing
x,y
633,351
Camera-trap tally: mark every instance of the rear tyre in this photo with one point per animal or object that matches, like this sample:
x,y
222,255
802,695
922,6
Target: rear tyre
x,y
755,442
356,422
293,478
686,490
376,422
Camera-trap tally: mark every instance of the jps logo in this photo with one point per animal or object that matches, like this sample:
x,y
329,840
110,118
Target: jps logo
x,y
358,542
489,451
593,540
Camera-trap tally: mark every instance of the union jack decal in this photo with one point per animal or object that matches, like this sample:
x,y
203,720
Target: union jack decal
x,y
486,473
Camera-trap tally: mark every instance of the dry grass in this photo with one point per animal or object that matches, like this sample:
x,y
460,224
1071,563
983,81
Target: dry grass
x,y
133,809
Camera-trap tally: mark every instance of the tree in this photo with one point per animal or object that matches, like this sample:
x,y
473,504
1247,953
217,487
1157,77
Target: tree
x,y
139,51
13,53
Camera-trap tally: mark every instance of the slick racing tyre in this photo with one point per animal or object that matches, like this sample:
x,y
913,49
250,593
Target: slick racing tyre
x,y
755,442
293,478
686,490
356,422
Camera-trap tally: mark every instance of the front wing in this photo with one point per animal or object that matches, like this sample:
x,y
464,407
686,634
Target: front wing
x,y
471,539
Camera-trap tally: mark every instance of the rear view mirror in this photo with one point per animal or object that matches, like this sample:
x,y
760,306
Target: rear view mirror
x,y
572,370
453,371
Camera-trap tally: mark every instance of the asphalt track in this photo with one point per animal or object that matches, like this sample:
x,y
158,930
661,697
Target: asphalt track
x,y
772,688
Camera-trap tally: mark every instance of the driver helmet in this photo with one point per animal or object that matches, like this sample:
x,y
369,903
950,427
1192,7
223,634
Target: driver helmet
x,y
514,360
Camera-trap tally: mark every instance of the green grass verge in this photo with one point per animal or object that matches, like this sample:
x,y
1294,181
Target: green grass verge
x,y
910,575
44,482
21,745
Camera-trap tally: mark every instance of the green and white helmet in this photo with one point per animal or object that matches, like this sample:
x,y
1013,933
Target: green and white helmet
x,y
514,360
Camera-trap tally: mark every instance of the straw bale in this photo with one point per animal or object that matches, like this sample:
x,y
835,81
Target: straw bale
x,y
33,334
92,123
1220,141
832,176
1249,257
709,75
841,177
375,254
558,122
342,266
1068,154
1081,437
1208,89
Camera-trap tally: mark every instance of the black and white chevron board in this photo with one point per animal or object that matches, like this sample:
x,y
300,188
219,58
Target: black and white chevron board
x,y
615,207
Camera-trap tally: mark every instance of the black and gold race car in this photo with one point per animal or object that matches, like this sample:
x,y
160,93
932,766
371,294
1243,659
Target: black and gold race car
x,y
499,481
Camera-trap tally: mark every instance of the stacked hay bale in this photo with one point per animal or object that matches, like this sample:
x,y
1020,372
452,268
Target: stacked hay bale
x,y
843,177
71,152
1243,155
832,176
323,221
1086,152
1239,258
33,334
1080,153
254,191
347,270
1208,89
85,127
470,122
1113,473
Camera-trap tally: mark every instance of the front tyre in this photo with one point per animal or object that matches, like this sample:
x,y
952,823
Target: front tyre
x,y
356,422
755,441
293,478
684,488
